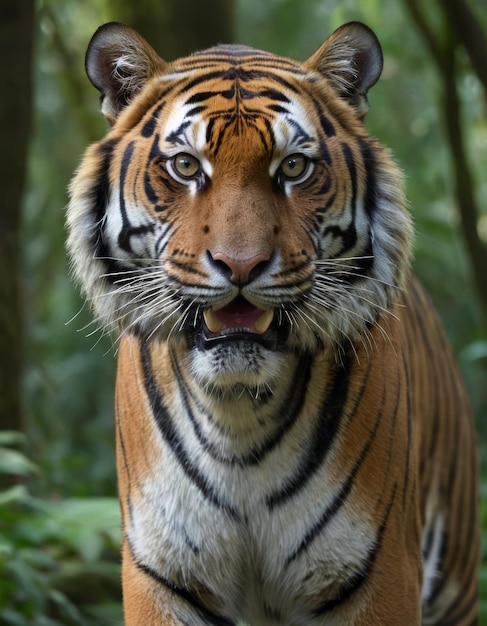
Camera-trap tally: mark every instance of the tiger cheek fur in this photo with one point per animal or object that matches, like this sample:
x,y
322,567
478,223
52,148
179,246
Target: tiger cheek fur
x,y
294,442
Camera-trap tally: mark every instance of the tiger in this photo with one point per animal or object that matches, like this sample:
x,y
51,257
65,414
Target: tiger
x,y
294,442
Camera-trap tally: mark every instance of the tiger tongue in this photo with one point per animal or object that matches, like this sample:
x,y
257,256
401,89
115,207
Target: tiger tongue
x,y
239,314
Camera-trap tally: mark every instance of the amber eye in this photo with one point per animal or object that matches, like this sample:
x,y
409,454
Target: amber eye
x,y
186,165
294,166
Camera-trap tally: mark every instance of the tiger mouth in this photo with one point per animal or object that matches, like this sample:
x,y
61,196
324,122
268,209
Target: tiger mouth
x,y
238,321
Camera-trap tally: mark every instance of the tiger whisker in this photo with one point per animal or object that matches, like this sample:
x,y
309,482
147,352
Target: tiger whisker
x,y
328,289
164,320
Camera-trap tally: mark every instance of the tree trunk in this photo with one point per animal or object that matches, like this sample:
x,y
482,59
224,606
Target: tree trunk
x,y
443,50
16,43
176,28
468,31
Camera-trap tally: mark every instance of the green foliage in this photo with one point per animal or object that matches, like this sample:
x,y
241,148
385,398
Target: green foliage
x,y
68,388
59,560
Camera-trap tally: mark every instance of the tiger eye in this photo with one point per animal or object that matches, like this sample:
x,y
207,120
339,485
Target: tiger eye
x,y
294,166
186,165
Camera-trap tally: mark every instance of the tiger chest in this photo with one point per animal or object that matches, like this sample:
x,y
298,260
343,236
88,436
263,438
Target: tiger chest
x,y
240,554
244,505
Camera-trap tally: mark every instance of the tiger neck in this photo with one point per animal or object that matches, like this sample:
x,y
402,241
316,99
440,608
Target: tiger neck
x,y
235,425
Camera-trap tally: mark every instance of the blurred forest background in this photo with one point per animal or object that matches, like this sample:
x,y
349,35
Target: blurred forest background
x,y
59,521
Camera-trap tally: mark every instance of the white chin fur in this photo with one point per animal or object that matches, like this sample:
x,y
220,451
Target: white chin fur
x,y
244,364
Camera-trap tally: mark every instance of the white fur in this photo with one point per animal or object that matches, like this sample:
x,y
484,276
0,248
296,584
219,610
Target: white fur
x,y
176,515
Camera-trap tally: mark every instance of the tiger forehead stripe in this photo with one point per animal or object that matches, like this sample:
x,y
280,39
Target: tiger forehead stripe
x,y
245,72
238,55
218,102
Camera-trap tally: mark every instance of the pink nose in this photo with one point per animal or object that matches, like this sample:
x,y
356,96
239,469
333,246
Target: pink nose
x,y
240,271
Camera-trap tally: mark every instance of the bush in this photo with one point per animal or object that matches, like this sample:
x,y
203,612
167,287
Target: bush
x,y
59,560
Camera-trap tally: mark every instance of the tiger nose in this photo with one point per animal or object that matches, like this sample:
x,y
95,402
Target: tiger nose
x,y
240,271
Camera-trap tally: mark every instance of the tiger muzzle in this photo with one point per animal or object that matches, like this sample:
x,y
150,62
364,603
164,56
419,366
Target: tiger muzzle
x,y
240,321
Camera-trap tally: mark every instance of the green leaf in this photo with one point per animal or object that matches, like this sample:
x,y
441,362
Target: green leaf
x,y
475,351
14,462
11,437
87,524
15,494
65,607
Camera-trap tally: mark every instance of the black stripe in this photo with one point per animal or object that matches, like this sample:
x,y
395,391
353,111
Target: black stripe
x,y
163,235
231,50
273,94
149,189
323,437
124,236
254,74
351,233
352,170
155,162
195,110
155,151
358,579
123,451
371,190
149,127
101,194
201,96
168,431
209,129
277,108
270,135
289,411
216,144
348,236
211,618
267,141
300,134
409,429
426,551
174,137
325,153
239,55
188,268
207,76
243,75
335,505
134,231
326,125
127,231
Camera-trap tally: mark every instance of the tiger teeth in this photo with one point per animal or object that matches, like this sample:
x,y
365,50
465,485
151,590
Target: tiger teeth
x,y
212,322
264,321
260,326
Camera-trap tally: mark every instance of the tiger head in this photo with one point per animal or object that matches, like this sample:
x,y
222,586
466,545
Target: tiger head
x,y
237,206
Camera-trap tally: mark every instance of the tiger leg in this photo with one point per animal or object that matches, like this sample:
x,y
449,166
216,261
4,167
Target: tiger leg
x,y
397,601
145,602
388,590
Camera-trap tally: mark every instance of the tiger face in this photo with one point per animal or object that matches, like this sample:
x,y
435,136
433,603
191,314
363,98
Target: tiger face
x,y
238,207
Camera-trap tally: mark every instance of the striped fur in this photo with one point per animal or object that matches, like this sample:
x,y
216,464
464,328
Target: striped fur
x,y
294,442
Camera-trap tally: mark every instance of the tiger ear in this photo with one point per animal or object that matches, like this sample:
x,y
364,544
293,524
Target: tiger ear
x,y
351,60
118,63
